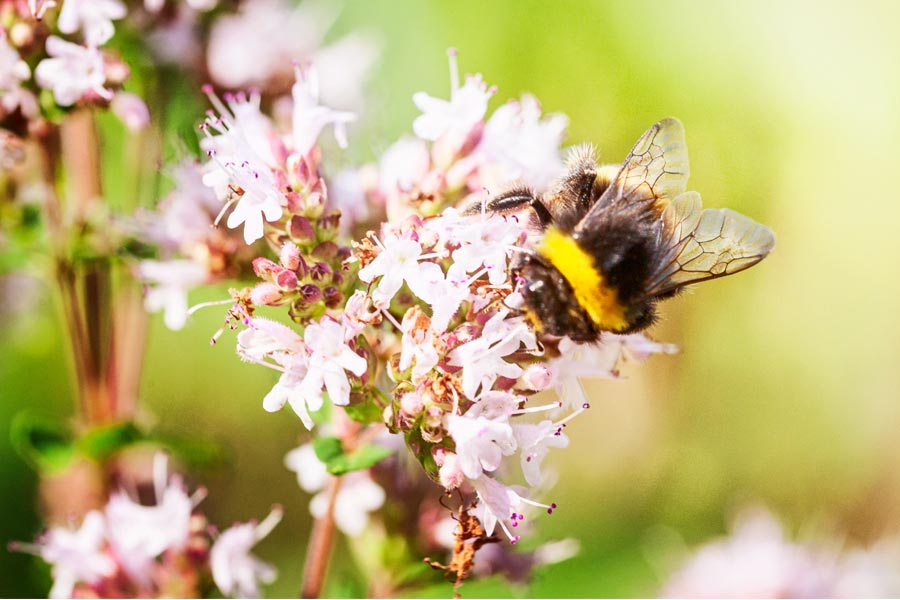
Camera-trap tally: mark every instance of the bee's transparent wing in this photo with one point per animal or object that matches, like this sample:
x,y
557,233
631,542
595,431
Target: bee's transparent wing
x,y
655,170
707,243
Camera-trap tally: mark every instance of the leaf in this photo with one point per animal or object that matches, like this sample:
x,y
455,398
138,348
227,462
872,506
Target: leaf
x,y
330,451
41,443
364,408
102,442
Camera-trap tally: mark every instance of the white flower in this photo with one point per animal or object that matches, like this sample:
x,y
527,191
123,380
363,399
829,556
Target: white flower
x,y
264,39
310,117
454,118
446,295
403,165
312,475
267,339
94,17
76,556
171,281
13,71
357,496
329,358
184,217
243,152
517,145
534,443
235,570
396,263
482,358
138,534
417,346
71,72
481,443
484,241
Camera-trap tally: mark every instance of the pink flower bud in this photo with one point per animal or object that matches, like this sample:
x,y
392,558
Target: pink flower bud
x,y
290,256
132,110
411,404
264,267
536,377
286,280
301,230
450,473
265,294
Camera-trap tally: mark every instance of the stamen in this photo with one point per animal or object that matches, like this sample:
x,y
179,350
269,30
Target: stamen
x,y
454,71
391,318
269,523
197,307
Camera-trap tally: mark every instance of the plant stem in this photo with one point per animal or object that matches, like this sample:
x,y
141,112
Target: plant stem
x,y
319,551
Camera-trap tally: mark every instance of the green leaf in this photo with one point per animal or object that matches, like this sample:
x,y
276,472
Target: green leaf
x,y
328,448
102,442
330,451
43,444
362,458
364,408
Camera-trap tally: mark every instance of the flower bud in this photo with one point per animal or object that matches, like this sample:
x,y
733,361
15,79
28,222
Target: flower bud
x,y
301,230
333,297
286,280
310,294
131,110
325,251
411,404
265,294
290,256
450,474
320,271
263,267
536,377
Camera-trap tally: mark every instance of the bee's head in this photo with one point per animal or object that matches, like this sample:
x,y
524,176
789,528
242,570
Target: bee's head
x,y
549,300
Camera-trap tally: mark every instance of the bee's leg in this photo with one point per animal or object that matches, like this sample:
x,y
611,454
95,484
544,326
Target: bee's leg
x,y
515,200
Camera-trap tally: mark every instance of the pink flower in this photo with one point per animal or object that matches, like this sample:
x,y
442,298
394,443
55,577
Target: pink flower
x,y
396,263
235,570
132,110
138,533
71,72
75,556
13,72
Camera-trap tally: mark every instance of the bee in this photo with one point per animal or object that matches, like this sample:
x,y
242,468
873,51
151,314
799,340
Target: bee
x,y
617,240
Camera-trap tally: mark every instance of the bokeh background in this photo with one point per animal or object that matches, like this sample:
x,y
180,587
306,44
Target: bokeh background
x,y
787,390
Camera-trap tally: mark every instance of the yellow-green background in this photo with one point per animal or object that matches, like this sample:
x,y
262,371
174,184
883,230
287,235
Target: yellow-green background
x,y
786,391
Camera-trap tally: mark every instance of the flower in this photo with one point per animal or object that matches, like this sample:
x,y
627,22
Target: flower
x,y
485,242
357,495
534,442
517,145
171,281
235,570
14,71
329,358
398,262
454,118
76,556
132,110
481,443
138,534
756,561
309,117
95,17
72,72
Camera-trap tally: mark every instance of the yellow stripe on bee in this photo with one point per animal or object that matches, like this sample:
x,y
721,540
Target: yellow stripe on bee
x,y
598,300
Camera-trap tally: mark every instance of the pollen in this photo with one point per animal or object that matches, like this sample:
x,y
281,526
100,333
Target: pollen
x,y
599,301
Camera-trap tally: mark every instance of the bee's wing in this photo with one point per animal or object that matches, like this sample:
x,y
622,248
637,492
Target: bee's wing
x,y
707,243
656,170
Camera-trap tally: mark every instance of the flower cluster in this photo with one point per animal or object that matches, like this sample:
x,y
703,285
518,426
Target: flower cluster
x,y
457,152
758,560
71,63
163,549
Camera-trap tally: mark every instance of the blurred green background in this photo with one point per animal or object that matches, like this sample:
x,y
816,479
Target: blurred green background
x,y
786,391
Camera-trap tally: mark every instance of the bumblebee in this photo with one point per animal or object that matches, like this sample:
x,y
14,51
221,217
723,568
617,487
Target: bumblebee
x,y
617,240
